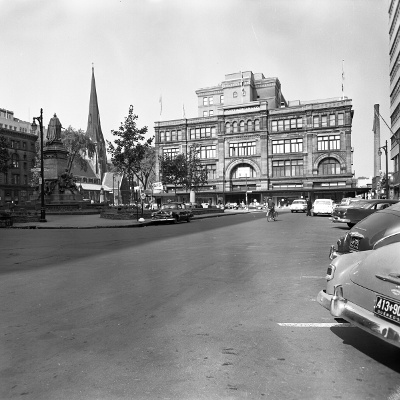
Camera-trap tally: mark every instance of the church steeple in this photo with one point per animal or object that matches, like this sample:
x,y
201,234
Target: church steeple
x,y
94,131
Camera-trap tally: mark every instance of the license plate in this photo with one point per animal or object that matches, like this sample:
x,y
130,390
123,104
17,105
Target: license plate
x,y
387,308
354,243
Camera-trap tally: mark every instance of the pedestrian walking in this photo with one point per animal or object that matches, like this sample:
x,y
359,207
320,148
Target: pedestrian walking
x,y
309,206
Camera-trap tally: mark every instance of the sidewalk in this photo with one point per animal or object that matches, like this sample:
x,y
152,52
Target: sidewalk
x,y
94,221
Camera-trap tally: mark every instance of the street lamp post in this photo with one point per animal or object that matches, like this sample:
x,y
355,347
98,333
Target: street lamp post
x,y
387,174
34,126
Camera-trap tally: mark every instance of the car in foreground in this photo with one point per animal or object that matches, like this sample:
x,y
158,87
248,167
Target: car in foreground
x,y
298,206
339,213
376,230
364,208
173,212
364,289
322,207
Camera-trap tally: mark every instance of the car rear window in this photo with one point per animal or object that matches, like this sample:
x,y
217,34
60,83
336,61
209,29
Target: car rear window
x,y
323,201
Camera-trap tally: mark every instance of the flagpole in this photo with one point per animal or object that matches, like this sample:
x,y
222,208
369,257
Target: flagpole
x,y
342,79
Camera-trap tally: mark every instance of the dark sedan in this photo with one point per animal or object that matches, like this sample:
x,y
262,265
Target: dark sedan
x,y
364,208
339,214
377,230
173,212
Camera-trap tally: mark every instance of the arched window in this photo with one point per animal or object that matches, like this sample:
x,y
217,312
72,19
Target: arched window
x,y
329,166
15,161
228,127
257,125
235,127
241,126
249,125
243,171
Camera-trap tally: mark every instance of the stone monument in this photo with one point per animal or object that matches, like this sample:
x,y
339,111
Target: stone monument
x,y
59,183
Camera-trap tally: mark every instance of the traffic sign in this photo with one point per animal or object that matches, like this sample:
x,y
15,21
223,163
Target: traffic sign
x,y
142,196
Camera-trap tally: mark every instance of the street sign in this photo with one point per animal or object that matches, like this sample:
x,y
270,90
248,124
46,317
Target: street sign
x,y
142,196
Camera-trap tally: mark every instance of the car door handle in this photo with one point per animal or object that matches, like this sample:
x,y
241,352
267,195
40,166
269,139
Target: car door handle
x,y
392,278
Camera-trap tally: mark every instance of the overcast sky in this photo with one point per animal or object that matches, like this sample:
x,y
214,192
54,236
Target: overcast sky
x,y
144,49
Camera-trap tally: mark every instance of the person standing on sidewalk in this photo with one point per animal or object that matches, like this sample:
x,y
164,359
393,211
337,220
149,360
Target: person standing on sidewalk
x,y
309,206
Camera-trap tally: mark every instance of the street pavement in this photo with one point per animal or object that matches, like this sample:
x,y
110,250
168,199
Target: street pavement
x,y
94,221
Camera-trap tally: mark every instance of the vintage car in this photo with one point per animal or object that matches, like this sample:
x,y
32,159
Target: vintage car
x,y
173,212
362,209
299,205
322,207
340,211
376,230
364,289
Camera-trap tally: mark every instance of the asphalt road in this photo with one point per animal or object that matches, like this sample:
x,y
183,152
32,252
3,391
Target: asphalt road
x,y
220,308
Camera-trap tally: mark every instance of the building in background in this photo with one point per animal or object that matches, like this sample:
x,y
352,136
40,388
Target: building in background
x,y
256,144
394,71
15,187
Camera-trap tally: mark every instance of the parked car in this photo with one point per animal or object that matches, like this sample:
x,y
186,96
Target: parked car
x,y
362,209
299,205
363,289
376,230
340,211
322,207
173,212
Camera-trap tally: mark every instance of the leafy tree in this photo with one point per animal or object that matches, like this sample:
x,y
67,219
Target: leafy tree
x,y
79,146
131,152
4,155
184,170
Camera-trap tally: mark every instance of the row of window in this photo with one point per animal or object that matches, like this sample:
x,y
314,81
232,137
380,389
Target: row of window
x,y
324,143
194,133
16,179
285,168
318,121
236,127
10,127
209,101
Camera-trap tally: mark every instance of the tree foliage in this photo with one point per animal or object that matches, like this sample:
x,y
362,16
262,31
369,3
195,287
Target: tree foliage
x,y
185,170
79,146
130,152
4,155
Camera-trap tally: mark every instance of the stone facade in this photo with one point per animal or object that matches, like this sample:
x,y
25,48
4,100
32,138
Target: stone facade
x,y
256,144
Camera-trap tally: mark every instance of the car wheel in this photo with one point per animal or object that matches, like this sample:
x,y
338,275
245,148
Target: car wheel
x,y
176,219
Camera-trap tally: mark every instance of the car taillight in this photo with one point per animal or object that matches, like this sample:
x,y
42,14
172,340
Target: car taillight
x,y
330,273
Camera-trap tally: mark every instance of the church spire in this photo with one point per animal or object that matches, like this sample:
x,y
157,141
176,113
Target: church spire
x,y
94,131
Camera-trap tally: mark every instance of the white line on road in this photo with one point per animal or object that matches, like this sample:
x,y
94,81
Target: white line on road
x,y
317,325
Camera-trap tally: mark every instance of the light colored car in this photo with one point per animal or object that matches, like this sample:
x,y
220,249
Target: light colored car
x,y
363,289
322,207
298,206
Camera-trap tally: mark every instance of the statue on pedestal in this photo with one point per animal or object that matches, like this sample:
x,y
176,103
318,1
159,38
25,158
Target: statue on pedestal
x,y
54,130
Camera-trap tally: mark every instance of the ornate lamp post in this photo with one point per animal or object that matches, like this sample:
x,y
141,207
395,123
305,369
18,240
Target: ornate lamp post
x,y
387,175
34,126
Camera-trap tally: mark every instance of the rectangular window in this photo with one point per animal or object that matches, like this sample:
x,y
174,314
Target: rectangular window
x,y
299,123
280,125
208,132
202,133
167,136
15,179
287,146
331,142
287,124
324,120
211,171
274,126
25,179
211,113
283,168
208,151
24,145
179,133
293,123
340,118
316,122
213,131
242,149
332,120
171,152
210,101
197,133
173,136
205,113
221,99
192,134
205,101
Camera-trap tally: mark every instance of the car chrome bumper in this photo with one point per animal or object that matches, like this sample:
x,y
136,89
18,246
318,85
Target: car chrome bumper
x,y
337,219
339,307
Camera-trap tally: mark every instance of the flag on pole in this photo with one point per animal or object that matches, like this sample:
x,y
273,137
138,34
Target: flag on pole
x,y
160,105
342,79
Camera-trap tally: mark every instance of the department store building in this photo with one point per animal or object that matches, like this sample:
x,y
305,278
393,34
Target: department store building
x,y
256,144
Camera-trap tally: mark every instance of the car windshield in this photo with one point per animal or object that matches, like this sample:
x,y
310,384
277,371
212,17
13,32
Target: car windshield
x,y
299,202
326,202
170,206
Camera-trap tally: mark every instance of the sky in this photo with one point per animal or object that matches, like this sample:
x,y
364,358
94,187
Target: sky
x,y
142,50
